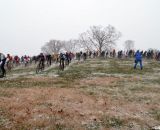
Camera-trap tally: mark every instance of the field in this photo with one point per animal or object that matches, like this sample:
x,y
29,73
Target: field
x,y
98,94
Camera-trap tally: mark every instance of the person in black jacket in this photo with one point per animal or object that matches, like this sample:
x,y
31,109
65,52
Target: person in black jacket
x,y
2,63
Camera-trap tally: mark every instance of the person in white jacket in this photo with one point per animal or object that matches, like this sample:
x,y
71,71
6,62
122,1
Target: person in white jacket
x,y
2,63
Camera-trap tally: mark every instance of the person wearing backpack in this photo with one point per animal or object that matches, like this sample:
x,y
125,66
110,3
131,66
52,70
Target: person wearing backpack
x,y
138,59
2,63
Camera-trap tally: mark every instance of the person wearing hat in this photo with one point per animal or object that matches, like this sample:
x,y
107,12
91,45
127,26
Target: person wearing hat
x,y
2,63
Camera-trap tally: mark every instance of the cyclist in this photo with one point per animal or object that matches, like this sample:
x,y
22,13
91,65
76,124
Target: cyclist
x,y
26,60
49,59
70,57
62,58
17,60
9,60
41,60
67,58
84,56
2,63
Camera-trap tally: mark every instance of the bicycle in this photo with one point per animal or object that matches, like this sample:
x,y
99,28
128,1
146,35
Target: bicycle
x,y
61,65
40,67
9,65
1,75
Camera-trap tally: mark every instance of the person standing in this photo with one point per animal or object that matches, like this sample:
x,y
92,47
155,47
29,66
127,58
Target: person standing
x,y
2,63
138,59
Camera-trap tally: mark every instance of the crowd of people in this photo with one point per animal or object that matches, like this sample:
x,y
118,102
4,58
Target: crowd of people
x,y
8,62
150,54
64,59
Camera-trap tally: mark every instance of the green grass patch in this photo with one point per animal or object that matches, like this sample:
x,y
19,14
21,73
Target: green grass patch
x,y
156,114
114,122
5,94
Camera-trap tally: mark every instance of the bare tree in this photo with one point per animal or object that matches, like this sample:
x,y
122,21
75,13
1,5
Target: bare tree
x,y
53,46
129,44
71,45
85,42
100,38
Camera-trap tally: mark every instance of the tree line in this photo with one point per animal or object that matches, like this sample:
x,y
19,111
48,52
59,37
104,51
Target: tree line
x,y
97,38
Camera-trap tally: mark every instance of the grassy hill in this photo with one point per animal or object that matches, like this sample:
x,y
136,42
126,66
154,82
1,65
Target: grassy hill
x,y
98,94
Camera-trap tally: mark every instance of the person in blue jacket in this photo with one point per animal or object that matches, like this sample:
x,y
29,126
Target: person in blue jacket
x,y
138,59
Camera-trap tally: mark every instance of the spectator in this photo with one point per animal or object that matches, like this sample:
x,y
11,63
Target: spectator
x,y
138,59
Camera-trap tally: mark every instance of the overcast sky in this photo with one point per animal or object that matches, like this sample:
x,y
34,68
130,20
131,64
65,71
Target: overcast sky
x,y
26,25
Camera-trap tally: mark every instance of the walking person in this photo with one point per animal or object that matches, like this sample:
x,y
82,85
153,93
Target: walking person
x,y
2,63
138,59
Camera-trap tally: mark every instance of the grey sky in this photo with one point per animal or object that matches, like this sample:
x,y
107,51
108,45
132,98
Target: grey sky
x,y
25,25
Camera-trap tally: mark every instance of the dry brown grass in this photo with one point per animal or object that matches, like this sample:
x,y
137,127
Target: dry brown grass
x,y
126,102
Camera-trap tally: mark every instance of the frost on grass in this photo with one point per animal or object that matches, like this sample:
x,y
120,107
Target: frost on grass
x,y
96,94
